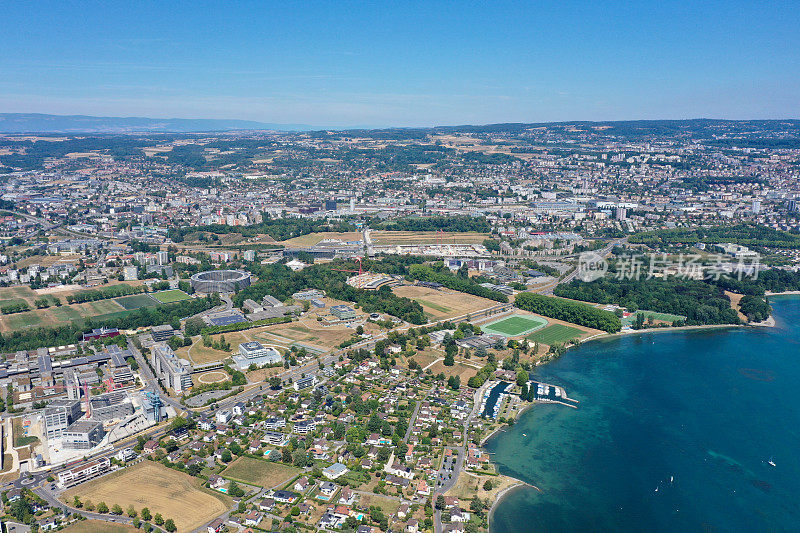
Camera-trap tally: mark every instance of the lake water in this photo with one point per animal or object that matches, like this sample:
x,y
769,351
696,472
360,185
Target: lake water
x,y
707,408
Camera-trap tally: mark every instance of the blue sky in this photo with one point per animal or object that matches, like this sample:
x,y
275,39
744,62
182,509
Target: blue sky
x,y
338,64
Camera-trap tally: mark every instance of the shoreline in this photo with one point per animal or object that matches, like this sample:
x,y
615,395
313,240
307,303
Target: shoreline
x,y
503,493
769,322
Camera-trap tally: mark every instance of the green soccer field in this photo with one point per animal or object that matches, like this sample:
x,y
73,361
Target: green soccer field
x,y
555,334
663,317
169,296
136,301
515,325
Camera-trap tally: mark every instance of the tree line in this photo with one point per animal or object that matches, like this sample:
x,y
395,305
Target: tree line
x,y
574,312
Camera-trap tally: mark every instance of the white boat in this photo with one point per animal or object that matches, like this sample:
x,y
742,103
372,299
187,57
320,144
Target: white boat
x,y
771,462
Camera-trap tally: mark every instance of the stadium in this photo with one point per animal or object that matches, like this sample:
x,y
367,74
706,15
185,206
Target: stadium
x,y
222,281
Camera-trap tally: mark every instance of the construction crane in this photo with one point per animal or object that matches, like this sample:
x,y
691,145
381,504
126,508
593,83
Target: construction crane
x,y
360,268
156,402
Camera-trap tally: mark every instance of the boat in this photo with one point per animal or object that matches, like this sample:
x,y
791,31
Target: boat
x,y
771,462
656,489
671,478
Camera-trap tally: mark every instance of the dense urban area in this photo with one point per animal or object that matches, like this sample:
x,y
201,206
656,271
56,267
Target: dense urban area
x,y
271,331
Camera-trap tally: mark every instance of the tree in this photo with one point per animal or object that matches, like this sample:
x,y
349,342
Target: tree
x,y
169,525
226,456
454,382
76,502
146,514
158,519
102,508
440,503
487,485
235,490
275,382
449,359
131,511
116,509
522,378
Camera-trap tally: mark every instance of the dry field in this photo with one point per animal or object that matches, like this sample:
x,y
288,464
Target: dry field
x,y
444,303
261,473
735,299
468,485
313,238
426,237
173,494
98,526
464,370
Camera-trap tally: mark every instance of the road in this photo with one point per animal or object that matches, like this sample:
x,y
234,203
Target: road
x,y
603,252
460,455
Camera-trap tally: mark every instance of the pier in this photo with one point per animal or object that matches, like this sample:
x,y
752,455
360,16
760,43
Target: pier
x,y
544,392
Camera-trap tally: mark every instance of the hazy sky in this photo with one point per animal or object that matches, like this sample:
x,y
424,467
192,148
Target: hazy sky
x,y
394,63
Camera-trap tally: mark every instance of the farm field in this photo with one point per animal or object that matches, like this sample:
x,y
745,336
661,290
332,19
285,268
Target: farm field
x,y
173,494
169,296
135,301
426,237
445,303
265,474
97,526
555,334
515,325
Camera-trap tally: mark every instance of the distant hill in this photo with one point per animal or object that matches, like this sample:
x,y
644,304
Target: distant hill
x,y
40,123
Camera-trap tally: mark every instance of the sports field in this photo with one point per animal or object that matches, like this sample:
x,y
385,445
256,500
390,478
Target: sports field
x,y
515,325
266,474
135,301
174,295
173,494
555,334
657,317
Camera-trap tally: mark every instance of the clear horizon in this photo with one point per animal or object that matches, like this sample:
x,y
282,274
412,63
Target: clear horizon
x,y
411,65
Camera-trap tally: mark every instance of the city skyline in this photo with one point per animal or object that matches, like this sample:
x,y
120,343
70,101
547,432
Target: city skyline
x,y
377,66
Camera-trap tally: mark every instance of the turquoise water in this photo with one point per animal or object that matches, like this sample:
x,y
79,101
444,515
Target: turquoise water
x,y
707,408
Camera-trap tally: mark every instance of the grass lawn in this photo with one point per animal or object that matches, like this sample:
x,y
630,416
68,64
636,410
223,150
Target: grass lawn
x,y
97,526
135,301
22,320
12,301
100,307
266,474
440,308
173,494
112,316
555,334
65,313
515,325
658,317
174,295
